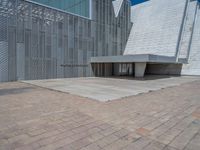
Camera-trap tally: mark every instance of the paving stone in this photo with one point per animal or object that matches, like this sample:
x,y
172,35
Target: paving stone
x,y
132,137
184,138
168,136
122,133
79,144
36,132
158,131
196,114
138,144
57,144
107,140
51,139
194,144
154,146
169,148
94,137
105,126
109,131
183,124
143,131
3,141
18,138
117,145
153,125
44,119
92,146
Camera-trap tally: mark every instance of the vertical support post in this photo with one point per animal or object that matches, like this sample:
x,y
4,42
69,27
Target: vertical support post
x,y
140,69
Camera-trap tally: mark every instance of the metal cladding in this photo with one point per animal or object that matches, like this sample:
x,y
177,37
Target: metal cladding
x,y
117,6
38,42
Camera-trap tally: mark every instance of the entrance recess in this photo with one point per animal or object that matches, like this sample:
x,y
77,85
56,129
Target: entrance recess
x,y
134,65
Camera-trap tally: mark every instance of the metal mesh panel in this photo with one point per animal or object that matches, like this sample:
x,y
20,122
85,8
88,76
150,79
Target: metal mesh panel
x,y
20,61
3,28
3,61
12,63
53,44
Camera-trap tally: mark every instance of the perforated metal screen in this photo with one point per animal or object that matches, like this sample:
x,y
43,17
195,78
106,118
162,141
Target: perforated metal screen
x,y
38,42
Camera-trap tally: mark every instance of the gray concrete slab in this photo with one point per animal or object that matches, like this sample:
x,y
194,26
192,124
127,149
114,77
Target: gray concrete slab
x,y
105,89
148,58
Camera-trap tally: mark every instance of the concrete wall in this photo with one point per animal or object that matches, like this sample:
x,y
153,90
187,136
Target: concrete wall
x,y
164,69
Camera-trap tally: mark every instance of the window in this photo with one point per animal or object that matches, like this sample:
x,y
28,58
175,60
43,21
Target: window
x,y
79,7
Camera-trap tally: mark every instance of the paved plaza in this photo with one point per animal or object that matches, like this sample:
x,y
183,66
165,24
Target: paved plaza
x,y
105,89
36,118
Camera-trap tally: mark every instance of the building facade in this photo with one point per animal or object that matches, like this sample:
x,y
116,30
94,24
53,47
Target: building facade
x,y
39,42
169,28
43,39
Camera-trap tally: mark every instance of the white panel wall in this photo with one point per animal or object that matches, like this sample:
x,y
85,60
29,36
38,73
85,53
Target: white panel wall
x,y
156,30
156,27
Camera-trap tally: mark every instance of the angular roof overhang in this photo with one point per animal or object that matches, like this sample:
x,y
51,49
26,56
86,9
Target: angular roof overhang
x,y
148,58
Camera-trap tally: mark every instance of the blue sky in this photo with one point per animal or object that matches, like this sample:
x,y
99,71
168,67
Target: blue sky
x,y
137,1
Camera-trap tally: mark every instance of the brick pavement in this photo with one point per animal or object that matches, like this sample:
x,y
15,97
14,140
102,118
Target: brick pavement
x,y
40,119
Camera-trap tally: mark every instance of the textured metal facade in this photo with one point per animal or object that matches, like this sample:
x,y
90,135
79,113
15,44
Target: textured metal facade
x,y
38,42
8,17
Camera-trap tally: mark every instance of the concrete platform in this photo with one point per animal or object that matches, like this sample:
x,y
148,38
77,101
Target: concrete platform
x,y
105,89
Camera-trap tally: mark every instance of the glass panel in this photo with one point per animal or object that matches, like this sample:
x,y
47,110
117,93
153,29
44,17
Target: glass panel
x,y
79,7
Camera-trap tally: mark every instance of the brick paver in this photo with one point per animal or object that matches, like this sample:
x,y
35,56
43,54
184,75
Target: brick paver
x,y
33,118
